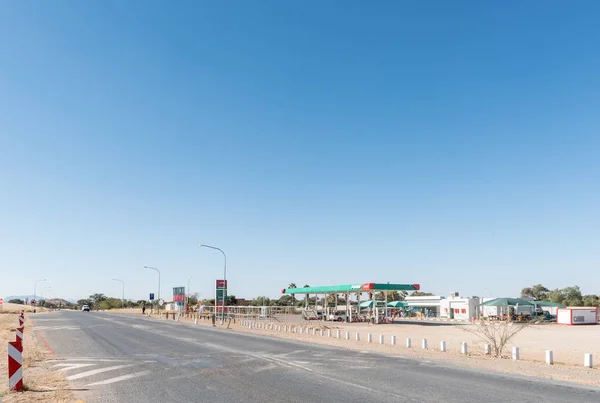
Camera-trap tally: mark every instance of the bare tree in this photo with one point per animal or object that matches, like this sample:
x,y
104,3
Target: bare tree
x,y
497,334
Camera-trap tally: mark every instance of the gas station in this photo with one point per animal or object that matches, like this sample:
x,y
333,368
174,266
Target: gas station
x,y
378,310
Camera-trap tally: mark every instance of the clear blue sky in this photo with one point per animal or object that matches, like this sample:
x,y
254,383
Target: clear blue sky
x,y
451,144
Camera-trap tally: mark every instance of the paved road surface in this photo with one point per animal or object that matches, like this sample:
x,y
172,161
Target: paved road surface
x,y
131,359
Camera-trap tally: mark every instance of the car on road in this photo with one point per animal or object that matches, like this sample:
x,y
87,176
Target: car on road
x,y
85,308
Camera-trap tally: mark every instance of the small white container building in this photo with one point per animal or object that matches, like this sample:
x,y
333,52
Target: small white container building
x,y
577,315
459,308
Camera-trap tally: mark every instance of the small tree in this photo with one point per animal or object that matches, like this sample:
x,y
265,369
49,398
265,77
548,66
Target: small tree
x,y
497,334
17,301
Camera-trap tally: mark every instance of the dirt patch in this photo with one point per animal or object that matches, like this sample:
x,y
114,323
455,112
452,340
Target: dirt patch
x,y
40,384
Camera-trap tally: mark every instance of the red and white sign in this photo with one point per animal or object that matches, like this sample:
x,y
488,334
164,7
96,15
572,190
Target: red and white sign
x,y
1,300
221,283
15,361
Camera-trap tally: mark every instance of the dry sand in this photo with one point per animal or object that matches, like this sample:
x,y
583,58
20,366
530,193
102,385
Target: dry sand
x,y
40,383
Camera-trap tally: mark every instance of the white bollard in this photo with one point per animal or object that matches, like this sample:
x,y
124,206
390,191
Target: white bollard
x,y
393,340
443,346
487,349
463,348
339,334
515,353
408,342
250,325
322,332
347,335
301,330
380,339
424,344
195,321
314,331
369,337
279,328
587,361
329,333
357,336
549,357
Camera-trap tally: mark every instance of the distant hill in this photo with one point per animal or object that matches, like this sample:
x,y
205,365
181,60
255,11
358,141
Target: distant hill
x,y
30,297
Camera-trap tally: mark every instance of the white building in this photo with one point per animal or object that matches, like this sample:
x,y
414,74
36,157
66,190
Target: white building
x,y
459,308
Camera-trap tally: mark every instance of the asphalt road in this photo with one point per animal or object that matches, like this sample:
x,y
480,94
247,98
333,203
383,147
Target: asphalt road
x,y
131,359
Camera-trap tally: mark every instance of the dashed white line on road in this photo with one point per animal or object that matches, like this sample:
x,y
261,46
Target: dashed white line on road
x,y
119,378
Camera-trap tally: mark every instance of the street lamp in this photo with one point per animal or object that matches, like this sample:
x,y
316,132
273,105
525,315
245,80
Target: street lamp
x,y
35,288
158,271
123,285
224,277
188,291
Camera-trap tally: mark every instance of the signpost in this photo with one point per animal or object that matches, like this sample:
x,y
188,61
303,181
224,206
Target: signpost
x,y
220,297
179,297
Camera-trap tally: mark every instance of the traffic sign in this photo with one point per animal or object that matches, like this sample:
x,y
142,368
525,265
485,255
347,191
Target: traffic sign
x,y
151,296
161,302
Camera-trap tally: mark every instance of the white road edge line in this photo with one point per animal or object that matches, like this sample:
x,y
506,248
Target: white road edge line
x,y
98,371
119,378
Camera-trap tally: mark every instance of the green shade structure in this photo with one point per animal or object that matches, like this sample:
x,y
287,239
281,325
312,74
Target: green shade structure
x,y
397,304
508,302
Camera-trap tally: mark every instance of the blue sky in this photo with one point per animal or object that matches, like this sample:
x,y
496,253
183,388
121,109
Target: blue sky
x,y
451,144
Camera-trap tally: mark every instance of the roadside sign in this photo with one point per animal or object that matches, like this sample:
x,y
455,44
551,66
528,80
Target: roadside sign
x,y
151,296
1,300
161,302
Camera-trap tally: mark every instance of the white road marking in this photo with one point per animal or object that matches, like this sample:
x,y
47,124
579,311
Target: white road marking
x,y
98,371
119,378
58,327
87,359
68,367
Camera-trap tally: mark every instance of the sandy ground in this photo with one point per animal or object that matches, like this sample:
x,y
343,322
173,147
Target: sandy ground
x,y
16,308
568,344
40,383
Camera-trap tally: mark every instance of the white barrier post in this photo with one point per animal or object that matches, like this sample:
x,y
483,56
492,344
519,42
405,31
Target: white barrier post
x,y
549,357
357,336
515,353
424,344
487,349
587,361
302,330
380,339
463,348
393,340
195,321
347,335
338,334
328,332
408,342
322,332
369,337
314,331
443,346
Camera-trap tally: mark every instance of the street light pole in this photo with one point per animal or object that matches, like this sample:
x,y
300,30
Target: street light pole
x,y
123,289
224,276
158,271
35,288
188,291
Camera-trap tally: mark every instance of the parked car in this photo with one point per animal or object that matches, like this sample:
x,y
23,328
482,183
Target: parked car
x,y
338,316
85,308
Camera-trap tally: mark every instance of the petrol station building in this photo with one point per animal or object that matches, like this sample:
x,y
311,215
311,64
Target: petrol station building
x,y
379,310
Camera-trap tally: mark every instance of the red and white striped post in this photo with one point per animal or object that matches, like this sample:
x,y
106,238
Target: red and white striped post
x,y
19,335
15,370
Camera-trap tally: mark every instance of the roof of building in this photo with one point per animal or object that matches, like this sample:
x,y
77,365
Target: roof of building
x,y
364,287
